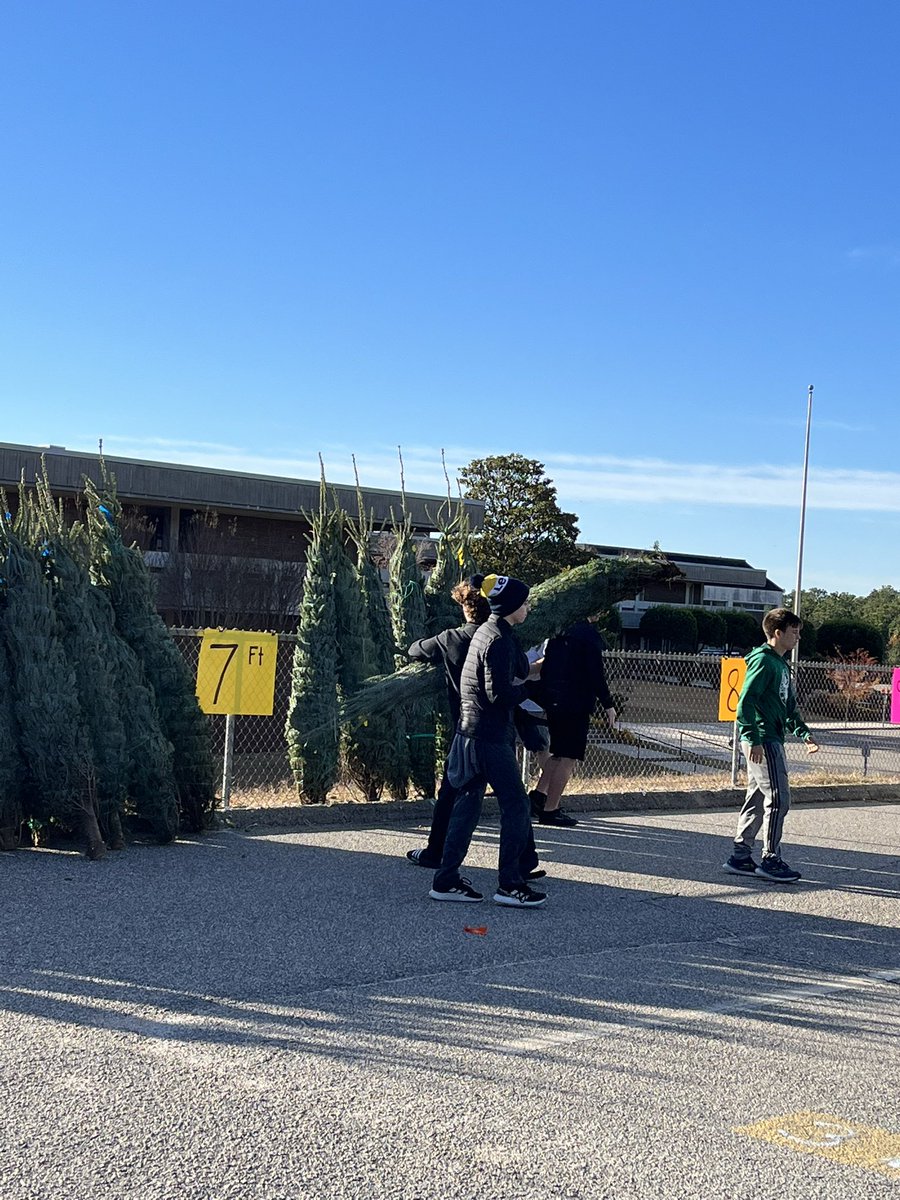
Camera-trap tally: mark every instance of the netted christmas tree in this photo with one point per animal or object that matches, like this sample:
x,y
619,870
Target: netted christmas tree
x,y
409,623
152,803
12,768
311,727
122,571
53,738
388,728
554,605
66,563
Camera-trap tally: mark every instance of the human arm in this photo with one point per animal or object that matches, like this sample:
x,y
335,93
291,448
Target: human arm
x,y
426,650
502,666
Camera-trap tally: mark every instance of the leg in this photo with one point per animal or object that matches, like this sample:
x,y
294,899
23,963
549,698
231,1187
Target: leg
x,y
502,774
750,818
440,821
559,773
463,820
777,801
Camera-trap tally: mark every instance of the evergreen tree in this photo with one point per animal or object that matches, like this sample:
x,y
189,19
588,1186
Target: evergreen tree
x,y
122,570
53,738
150,758
525,533
12,768
394,746
311,728
409,623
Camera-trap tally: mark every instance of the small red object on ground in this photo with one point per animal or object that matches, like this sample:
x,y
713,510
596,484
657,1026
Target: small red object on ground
x,y
481,930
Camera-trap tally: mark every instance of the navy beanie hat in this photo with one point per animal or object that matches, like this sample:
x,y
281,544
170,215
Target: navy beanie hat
x,y
504,593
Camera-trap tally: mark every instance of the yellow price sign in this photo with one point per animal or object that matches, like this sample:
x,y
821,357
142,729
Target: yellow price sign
x,y
236,672
731,682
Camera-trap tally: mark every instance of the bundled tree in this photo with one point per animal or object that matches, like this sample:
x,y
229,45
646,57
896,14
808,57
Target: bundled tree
x,y
553,606
312,728
388,729
12,768
52,735
122,570
152,792
85,645
409,622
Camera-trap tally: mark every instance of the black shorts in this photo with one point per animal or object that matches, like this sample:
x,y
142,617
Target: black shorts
x,y
568,733
532,730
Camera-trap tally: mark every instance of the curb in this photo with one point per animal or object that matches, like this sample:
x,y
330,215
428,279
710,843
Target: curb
x,y
418,812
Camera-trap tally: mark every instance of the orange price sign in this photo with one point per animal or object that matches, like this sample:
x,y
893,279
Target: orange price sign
x,y
732,680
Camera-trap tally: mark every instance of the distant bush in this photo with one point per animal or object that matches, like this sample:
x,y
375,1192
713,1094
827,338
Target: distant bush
x,y
837,639
744,630
674,627
712,629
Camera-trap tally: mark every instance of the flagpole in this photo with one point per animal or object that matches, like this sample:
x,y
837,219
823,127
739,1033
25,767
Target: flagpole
x,y
795,653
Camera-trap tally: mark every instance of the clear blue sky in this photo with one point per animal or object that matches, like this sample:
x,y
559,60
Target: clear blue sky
x,y
622,238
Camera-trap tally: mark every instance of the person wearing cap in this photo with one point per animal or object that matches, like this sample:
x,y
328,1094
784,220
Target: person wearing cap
x,y
449,648
483,753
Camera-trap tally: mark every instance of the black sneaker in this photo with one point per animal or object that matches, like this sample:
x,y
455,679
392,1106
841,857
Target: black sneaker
x,y
557,817
421,859
461,892
519,897
537,874
740,864
776,870
538,800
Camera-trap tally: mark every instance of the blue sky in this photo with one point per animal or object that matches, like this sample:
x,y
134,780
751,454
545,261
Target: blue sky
x,y
621,238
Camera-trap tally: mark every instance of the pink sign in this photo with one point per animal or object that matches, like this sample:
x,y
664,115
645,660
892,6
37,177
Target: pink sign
x,y
895,696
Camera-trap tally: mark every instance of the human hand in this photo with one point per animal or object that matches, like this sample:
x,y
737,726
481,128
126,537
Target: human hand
x,y
811,746
611,717
756,754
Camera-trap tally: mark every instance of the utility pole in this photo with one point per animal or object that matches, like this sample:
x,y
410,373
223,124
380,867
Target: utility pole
x,y
795,653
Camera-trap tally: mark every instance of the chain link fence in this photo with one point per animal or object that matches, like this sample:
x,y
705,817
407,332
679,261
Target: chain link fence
x,y
669,738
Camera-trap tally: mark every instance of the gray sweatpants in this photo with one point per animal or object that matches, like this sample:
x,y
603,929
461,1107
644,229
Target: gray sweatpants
x,y
767,801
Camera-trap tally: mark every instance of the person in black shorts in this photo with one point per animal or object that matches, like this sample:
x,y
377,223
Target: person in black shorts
x,y
573,679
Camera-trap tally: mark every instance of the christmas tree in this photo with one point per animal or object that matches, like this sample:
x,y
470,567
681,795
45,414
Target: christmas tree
x,y
409,623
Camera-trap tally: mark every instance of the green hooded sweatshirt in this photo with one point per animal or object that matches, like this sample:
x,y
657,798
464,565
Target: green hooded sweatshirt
x,y
768,703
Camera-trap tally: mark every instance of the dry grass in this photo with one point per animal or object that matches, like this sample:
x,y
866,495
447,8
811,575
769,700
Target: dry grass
x,y
285,795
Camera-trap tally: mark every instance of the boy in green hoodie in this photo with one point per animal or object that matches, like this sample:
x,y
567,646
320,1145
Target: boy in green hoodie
x,y
767,707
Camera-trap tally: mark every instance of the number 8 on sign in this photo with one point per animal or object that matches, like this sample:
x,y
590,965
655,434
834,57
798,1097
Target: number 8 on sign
x,y
731,682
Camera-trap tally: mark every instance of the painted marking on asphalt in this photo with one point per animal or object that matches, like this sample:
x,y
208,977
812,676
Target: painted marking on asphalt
x,y
808,991
832,1138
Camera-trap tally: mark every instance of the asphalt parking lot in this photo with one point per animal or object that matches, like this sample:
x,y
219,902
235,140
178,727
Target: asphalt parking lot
x,y
266,1014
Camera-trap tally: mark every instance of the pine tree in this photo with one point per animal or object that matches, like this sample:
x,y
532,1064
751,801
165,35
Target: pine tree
x,y
53,739
122,570
394,754
66,564
311,728
12,768
150,758
410,623
554,606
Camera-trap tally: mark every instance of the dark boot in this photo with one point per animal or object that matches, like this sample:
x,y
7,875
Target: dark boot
x,y
538,800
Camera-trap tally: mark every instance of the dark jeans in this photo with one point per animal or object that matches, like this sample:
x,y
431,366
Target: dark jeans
x,y
440,821
518,856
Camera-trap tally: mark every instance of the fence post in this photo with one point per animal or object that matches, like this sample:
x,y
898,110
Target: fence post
x,y
735,758
227,760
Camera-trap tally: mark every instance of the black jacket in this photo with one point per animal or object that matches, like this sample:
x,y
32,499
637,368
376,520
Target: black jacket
x,y
573,677
487,689
450,648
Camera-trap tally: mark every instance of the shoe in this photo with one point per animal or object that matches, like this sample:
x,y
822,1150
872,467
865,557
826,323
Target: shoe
x,y
538,800
461,892
556,816
776,870
519,897
538,874
421,859
740,864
